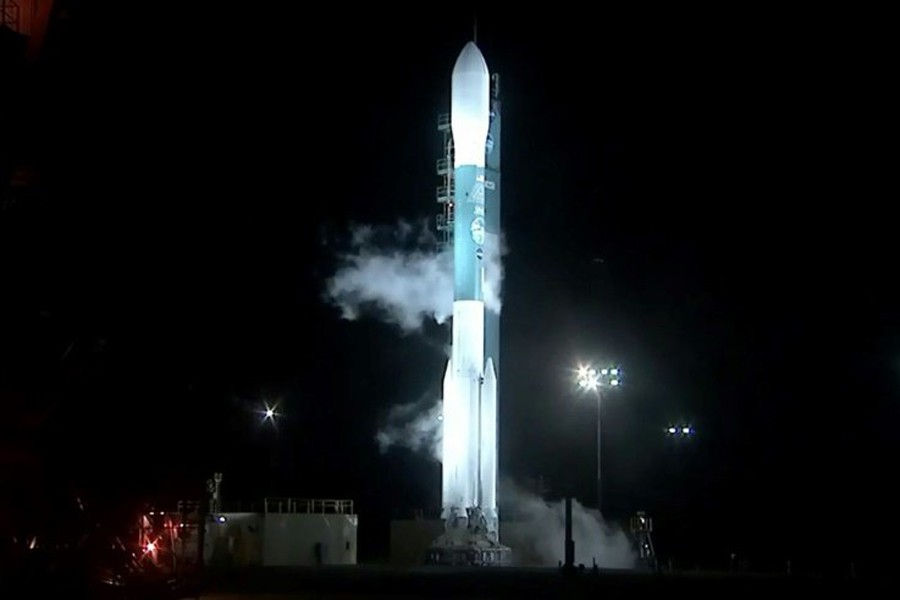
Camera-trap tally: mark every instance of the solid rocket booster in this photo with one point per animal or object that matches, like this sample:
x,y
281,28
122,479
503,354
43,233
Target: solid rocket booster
x,y
470,382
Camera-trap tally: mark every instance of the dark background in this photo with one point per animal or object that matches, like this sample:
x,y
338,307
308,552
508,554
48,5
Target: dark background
x,y
692,195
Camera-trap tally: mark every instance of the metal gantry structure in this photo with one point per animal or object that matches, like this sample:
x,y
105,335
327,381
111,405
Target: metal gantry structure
x,y
445,190
641,529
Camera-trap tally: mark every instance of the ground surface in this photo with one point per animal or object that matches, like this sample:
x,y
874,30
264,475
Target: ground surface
x,y
477,584
350,583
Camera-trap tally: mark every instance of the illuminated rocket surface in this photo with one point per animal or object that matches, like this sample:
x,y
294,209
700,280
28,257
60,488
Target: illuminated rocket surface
x,y
470,383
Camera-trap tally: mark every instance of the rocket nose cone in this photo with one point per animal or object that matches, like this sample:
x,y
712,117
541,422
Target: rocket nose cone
x,y
470,60
470,106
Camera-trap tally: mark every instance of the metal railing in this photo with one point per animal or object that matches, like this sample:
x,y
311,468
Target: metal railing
x,y
445,193
444,222
308,506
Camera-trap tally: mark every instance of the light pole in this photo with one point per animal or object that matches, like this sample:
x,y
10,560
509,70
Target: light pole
x,y
591,379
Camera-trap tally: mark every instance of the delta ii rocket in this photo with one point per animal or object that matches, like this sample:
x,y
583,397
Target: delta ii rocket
x,y
469,493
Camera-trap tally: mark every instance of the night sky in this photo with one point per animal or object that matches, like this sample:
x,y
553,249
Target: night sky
x,y
692,196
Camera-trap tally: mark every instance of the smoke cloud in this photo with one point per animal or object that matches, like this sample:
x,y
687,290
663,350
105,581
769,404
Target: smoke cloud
x,y
533,527
416,426
536,530
402,277
493,276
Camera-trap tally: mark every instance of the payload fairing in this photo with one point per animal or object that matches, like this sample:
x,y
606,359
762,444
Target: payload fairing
x,y
469,492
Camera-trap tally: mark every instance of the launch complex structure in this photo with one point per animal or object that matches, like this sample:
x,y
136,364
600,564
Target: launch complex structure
x,y
470,222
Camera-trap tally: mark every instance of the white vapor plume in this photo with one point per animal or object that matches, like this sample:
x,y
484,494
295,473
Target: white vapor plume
x,y
493,276
407,286
536,529
416,426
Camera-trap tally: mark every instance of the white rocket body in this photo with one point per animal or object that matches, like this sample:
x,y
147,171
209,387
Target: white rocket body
x,y
470,382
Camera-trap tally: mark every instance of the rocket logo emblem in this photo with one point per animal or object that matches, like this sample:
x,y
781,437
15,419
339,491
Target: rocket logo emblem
x,y
477,192
478,230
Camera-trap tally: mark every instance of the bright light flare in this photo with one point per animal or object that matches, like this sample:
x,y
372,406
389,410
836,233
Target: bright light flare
x,y
269,412
588,378
682,430
150,547
591,379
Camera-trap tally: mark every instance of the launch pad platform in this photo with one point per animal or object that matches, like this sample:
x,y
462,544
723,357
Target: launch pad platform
x,y
468,542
